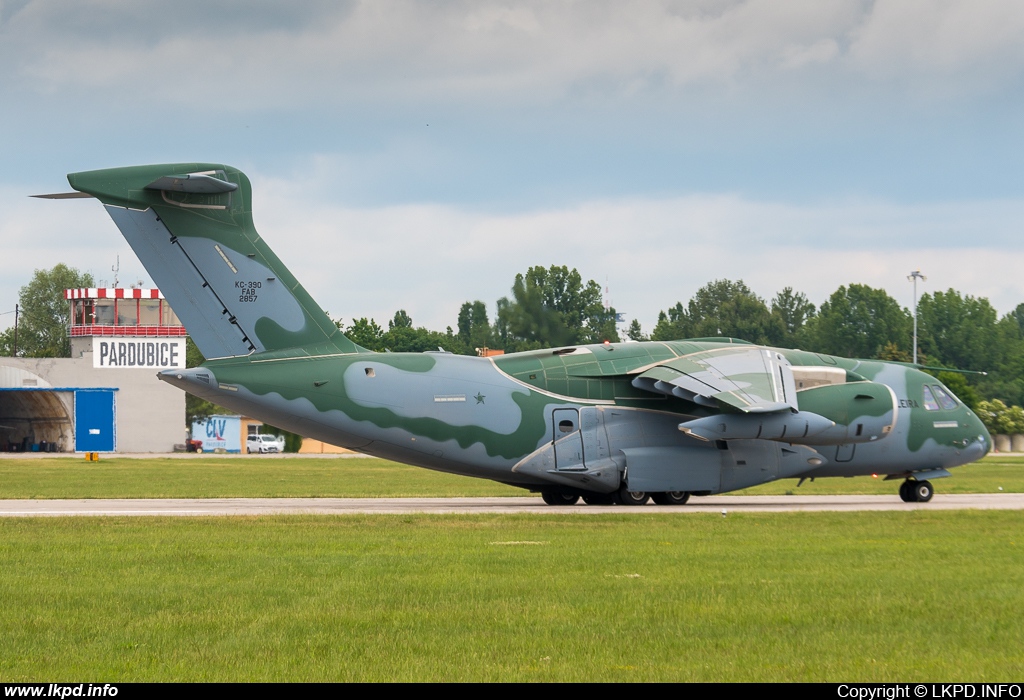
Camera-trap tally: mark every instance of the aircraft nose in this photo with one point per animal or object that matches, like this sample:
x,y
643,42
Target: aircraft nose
x,y
977,449
983,441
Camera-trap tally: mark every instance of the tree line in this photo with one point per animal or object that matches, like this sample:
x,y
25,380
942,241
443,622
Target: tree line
x,y
552,306
555,306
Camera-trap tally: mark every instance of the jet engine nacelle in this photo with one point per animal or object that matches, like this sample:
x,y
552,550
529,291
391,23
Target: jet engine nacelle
x,y
861,411
829,415
800,427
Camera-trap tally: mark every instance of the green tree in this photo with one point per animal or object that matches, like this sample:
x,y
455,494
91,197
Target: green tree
x,y
502,331
793,311
7,342
963,331
402,337
1007,381
1001,419
1017,318
43,323
407,339
859,321
366,333
401,320
721,308
635,332
552,307
893,353
474,327
673,324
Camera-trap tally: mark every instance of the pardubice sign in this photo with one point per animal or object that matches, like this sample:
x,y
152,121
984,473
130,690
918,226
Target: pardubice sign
x,y
141,353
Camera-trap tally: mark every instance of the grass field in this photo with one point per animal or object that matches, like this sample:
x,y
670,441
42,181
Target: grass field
x,y
231,477
245,476
899,596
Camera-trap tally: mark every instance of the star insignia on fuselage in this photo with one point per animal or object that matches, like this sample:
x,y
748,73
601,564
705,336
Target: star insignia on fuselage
x,y
479,397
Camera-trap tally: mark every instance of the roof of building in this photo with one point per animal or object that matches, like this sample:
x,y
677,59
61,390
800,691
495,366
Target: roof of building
x,y
112,293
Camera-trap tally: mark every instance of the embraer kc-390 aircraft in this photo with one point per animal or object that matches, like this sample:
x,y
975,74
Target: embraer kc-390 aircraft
x,y
611,423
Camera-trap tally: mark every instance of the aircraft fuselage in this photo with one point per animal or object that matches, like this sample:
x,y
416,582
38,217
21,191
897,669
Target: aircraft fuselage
x,y
619,420
571,418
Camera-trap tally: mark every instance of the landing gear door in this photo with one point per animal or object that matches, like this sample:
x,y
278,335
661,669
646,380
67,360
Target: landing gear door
x,y
567,438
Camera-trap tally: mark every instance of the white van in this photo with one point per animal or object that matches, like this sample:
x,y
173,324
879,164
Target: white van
x,y
264,443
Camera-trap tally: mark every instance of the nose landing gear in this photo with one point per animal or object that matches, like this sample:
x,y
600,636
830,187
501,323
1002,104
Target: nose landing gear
x,y
916,491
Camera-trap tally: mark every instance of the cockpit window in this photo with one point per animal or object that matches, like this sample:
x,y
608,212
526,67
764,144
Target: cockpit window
x,y
944,397
929,400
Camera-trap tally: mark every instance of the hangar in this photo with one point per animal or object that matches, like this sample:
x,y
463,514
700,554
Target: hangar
x,y
105,397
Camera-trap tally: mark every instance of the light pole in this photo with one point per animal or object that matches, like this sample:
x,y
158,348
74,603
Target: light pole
x,y
914,276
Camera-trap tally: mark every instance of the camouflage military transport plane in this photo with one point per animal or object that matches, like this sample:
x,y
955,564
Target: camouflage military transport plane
x,y
612,423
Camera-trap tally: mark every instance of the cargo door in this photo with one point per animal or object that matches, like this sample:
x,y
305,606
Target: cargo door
x,y
568,439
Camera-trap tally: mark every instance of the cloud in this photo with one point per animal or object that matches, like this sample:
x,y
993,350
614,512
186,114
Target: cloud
x,y
38,234
429,259
652,252
658,145
266,55
949,40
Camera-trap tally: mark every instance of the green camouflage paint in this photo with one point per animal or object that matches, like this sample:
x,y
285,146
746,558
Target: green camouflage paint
x,y
565,420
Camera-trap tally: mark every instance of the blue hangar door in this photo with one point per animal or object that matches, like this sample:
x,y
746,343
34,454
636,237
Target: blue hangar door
x,y
94,420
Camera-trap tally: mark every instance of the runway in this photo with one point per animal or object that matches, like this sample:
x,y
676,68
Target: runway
x,y
197,507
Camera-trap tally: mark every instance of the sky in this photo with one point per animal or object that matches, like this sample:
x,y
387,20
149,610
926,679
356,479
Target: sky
x,y
417,155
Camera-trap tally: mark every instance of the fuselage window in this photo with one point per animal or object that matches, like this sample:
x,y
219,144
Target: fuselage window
x,y
566,426
929,400
945,399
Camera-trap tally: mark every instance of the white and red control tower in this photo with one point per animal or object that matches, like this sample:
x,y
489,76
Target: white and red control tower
x,y
133,327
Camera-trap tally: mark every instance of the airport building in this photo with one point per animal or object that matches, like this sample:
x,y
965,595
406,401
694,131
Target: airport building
x,y
105,397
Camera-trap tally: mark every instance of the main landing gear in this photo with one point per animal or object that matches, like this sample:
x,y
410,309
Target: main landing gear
x,y
916,491
671,498
559,498
622,497
632,498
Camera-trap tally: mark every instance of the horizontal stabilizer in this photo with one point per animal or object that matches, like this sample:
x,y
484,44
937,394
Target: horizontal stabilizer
x,y
63,195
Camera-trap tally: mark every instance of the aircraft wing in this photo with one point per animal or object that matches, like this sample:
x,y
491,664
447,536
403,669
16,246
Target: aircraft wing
x,y
746,379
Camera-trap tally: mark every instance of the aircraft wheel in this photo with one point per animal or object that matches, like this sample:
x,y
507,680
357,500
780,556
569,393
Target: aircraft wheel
x,y
248,451
632,498
923,491
907,491
598,499
557,498
671,498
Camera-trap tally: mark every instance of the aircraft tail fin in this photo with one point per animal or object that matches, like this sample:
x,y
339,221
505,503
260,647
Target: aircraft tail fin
x,y
191,226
